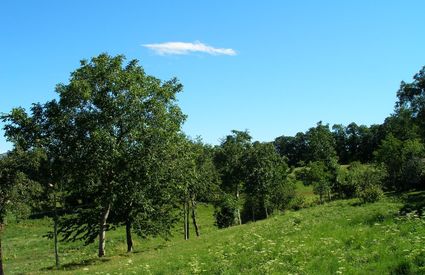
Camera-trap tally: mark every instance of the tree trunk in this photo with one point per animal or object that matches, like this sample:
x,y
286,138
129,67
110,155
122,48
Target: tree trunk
x,y
187,218
238,211
186,235
55,230
128,236
267,212
195,224
1,255
55,237
102,230
253,213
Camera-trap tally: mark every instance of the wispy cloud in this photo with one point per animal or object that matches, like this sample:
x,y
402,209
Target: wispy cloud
x,y
180,48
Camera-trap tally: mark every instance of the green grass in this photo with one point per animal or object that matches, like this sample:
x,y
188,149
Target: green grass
x,y
306,192
341,237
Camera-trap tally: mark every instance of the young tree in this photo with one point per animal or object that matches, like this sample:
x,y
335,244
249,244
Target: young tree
x,y
15,187
267,185
198,179
229,163
322,175
37,132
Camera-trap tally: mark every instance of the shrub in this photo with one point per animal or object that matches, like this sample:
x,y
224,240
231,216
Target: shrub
x,y
370,193
297,203
225,211
362,181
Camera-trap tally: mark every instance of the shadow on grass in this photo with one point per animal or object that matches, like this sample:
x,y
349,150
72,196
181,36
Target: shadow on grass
x,y
357,203
77,264
145,249
413,202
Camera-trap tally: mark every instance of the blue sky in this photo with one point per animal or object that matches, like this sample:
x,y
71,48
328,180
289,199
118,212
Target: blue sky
x,y
273,67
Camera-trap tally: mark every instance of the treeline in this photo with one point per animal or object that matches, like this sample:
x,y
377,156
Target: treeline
x,y
348,143
110,152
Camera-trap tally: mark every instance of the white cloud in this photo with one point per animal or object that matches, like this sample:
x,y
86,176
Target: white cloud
x,y
180,48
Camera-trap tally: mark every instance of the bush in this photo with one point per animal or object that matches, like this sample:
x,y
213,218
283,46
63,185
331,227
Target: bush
x,y
297,203
370,193
225,211
362,181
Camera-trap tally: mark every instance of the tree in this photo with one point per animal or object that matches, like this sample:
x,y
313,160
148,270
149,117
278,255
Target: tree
x,y
320,143
403,161
198,179
293,148
361,180
340,137
411,97
401,125
117,127
267,185
356,143
15,187
322,175
229,163
38,132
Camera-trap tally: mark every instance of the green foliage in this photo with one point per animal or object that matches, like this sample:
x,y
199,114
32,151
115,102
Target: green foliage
x,y
321,175
404,162
362,181
411,97
110,143
228,160
320,143
17,191
297,203
370,193
267,185
294,149
401,125
225,211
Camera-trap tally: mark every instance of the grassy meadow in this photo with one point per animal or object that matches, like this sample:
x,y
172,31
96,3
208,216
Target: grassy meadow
x,y
341,237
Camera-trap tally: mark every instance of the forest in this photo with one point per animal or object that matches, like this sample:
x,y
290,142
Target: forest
x,y
109,156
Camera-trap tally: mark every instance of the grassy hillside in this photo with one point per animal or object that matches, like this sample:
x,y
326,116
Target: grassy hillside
x,y
341,237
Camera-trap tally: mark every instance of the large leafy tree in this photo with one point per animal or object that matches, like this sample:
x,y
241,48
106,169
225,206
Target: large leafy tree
x,y
117,128
121,125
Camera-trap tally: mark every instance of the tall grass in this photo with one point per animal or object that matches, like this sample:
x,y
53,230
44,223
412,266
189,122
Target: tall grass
x,y
341,237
